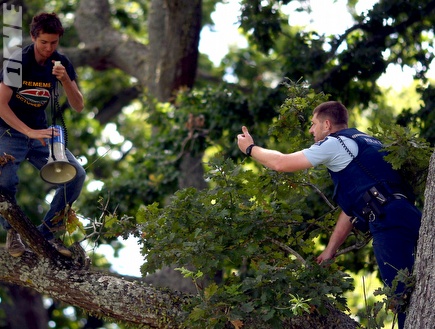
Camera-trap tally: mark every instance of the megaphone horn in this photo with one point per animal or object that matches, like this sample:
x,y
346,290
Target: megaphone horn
x,y
58,170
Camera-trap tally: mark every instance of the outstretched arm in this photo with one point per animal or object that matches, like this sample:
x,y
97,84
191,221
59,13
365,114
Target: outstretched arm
x,y
272,159
341,231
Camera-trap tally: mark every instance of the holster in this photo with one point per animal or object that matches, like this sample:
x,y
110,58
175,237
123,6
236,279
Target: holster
x,y
375,200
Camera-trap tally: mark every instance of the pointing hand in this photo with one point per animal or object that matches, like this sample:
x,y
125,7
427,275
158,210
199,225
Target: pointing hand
x,y
244,139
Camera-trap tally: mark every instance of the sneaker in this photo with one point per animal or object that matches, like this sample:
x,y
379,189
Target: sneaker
x,y
58,245
14,245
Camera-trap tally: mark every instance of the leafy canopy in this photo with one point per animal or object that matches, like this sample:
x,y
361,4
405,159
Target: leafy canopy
x,y
255,231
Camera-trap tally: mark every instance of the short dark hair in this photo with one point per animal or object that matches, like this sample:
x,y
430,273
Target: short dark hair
x,y
334,111
46,23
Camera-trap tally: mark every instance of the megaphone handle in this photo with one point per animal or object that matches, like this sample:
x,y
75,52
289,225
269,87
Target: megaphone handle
x,y
52,144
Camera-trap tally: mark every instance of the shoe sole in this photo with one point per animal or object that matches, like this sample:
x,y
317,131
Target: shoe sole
x,y
16,254
65,253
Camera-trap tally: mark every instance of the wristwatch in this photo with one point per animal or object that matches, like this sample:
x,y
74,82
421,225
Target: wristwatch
x,y
249,150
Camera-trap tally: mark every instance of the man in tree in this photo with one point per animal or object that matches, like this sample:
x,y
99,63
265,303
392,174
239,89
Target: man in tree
x,y
370,193
23,123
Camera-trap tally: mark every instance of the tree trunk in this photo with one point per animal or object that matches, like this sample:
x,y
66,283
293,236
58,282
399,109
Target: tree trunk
x,y
104,46
421,310
191,172
24,308
174,28
167,63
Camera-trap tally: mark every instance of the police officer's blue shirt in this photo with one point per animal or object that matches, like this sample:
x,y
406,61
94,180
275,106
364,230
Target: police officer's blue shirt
x,y
331,153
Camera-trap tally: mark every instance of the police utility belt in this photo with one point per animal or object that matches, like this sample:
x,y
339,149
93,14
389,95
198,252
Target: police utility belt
x,y
375,202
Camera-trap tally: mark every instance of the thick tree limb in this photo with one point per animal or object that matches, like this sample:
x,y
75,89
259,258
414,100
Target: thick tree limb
x,y
117,102
97,293
19,221
115,50
47,272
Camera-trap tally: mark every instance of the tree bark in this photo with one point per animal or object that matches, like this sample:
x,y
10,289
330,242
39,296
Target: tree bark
x,y
192,172
421,310
47,272
97,293
168,63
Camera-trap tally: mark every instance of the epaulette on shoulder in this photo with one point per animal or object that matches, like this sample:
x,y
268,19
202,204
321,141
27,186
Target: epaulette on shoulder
x,y
321,142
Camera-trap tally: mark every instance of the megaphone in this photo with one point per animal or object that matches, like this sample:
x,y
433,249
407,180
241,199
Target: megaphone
x,y
58,170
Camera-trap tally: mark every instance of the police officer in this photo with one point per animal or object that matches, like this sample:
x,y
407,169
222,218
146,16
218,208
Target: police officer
x,y
370,193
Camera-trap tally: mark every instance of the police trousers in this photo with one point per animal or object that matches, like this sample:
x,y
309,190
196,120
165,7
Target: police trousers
x,y
395,237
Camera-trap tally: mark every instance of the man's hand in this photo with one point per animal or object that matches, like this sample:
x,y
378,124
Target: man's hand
x,y
341,231
59,71
75,97
244,139
42,134
325,256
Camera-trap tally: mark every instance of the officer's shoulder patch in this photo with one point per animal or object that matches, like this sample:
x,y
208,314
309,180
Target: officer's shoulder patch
x,y
322,141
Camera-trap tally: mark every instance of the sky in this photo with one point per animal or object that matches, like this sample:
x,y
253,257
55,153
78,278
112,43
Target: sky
x,y
327,17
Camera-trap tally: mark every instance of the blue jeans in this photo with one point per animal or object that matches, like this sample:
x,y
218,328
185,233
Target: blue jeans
x,y
395,241
23,148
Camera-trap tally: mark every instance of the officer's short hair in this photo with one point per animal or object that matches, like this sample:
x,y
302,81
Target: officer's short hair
x,y
334,111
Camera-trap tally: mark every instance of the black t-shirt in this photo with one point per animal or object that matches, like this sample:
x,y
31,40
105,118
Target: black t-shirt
x,y
30,100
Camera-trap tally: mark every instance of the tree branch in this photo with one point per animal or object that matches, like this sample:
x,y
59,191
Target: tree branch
x,y
289,250
47,272
99,294
22,224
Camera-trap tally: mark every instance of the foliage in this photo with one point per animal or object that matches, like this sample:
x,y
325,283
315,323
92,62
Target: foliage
x,y
197,121
237,228
253,233
408,153
392,301
263,21
295,114
143,168
345,65
422,119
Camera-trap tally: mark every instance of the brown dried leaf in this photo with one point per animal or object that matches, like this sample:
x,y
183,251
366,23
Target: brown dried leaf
x,y
237,324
